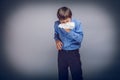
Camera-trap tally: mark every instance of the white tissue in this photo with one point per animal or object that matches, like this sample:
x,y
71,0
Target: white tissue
x,y
69,25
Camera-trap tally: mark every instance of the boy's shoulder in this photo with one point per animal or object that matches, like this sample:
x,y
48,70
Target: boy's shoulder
x,y
76,21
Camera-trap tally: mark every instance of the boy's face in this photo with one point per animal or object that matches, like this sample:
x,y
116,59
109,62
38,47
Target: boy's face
x,y
65,20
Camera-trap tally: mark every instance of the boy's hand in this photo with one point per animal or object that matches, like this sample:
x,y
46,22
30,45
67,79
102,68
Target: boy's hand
x,y
59,44
67,30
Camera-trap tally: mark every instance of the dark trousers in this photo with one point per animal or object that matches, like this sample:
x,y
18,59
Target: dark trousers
x,y
69,58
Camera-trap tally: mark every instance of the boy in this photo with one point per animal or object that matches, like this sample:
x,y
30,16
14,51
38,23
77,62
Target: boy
x,y
68,41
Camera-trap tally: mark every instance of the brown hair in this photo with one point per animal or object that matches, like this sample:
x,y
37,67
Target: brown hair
x,y
63,13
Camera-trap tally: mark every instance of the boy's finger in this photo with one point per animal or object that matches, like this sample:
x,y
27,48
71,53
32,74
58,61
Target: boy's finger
x,y
59,46
61,43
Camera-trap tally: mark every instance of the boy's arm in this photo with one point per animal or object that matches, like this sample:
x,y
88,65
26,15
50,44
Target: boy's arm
x,y
76,35
56,35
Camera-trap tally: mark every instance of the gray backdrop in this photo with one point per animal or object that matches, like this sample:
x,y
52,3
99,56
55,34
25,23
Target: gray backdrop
x,y
30,47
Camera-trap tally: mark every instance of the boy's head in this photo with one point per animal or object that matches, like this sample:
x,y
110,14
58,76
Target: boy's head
x,y
64,14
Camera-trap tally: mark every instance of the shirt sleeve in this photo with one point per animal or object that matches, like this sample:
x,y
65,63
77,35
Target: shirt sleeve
x,y
56,35
77,34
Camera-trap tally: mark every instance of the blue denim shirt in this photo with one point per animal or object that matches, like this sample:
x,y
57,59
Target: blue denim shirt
x,y
71,40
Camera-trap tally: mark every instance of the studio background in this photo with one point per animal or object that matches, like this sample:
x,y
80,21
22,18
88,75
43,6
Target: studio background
x,y
28,49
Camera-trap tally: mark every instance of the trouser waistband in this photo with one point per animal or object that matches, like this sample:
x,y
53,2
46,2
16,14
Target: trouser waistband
x,y
76,50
